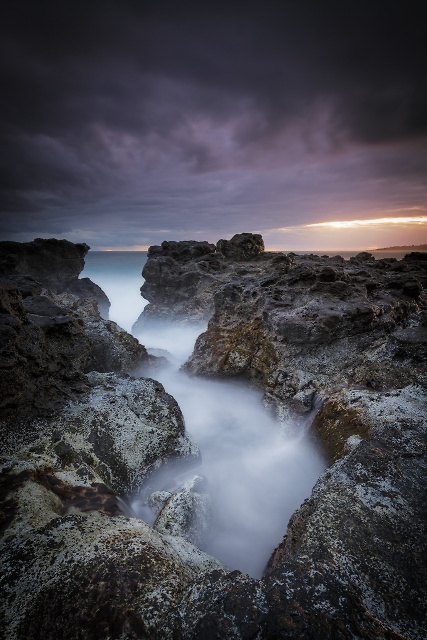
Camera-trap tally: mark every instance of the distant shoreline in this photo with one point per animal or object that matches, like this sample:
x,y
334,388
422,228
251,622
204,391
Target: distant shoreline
x,y
412,247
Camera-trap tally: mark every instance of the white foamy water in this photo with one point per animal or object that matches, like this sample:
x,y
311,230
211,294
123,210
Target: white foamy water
x,y
256,479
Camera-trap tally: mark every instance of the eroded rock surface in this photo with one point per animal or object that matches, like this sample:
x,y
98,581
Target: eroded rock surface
x,y
55,264
181,277
352,333
72,564
301,325
49,341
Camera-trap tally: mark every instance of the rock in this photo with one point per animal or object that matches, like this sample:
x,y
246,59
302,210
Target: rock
x,y
87,575
122,428
187,513
85,288
181,278
71,563
182,251
355,529
339,320
242,246
338,344
131,425
48,343
55,264
157,500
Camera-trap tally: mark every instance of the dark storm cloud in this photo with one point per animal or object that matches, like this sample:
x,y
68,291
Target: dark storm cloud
x,y
110,106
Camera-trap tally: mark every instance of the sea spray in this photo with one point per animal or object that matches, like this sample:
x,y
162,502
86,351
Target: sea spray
x,y
255,477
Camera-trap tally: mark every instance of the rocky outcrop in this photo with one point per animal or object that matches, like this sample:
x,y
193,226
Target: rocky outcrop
x,y
55,264
301,325
241,247
72,564
48,342
343,339
180,278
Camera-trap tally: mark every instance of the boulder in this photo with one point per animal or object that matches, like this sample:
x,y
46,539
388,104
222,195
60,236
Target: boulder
x,y
241,247
48,342
182,251
55,264
186,513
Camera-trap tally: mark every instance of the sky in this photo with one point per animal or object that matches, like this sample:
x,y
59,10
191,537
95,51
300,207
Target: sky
x,y
126,123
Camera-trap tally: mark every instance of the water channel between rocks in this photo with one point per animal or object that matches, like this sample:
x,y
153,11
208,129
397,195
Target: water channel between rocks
x,y
255,477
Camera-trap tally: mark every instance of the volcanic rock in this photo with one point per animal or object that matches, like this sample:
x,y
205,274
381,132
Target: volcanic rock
x,y
339,344
55,264
182,277
49,341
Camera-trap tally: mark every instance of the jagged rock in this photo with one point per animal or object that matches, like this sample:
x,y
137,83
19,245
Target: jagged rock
x,y
157,500
340,321
48,343
242,246
352,563
122,428
55,264
71,563
180,278
182,251
85,288
186,513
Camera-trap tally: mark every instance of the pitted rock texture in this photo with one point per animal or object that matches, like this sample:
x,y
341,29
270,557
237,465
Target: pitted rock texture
x,y
55,264
181,277
128,426
301,325
48,342
72,565
187,513
242,246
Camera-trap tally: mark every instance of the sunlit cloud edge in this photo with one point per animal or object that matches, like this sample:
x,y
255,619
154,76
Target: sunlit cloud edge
x,y
348,224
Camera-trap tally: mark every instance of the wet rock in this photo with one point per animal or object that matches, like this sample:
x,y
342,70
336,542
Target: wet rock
x,y
85,288
352,563
157,500
89,575
182,251
181,278
362,527
187,513
339,320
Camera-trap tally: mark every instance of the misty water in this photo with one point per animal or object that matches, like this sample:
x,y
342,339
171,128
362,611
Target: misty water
x,y
256,477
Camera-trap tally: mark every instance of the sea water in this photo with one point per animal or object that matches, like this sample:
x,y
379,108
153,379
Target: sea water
x,y
255,477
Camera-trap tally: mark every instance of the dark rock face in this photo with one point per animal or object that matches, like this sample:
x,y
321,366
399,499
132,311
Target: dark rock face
x,y
241,247
48,343
55,264
182,277
182,251
305,324
85,288
353,561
